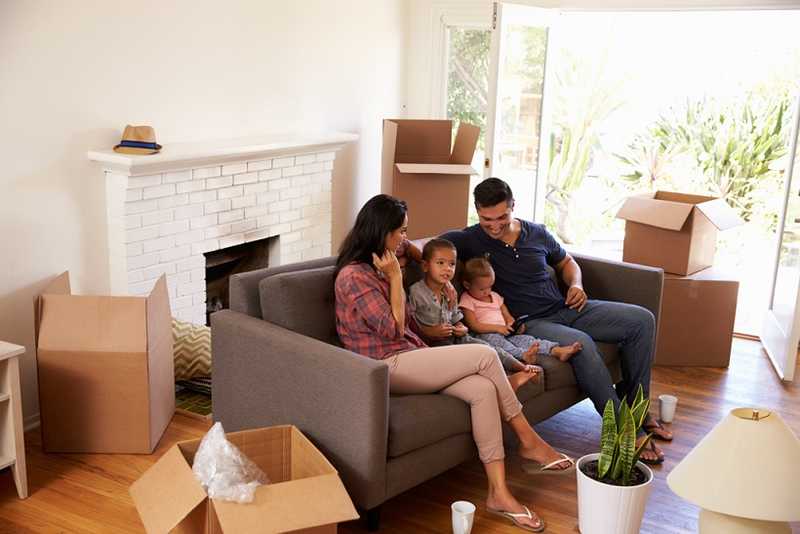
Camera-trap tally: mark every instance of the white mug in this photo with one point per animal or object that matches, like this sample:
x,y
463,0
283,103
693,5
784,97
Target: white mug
x,y
463,516
666,407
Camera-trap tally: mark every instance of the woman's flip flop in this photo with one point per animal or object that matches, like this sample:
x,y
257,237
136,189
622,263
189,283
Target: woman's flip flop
x,y
516,517
535,468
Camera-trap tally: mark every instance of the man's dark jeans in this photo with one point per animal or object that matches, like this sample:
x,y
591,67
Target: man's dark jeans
x,y
631,326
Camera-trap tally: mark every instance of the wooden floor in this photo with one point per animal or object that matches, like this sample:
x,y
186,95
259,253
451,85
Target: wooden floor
x,y
89,493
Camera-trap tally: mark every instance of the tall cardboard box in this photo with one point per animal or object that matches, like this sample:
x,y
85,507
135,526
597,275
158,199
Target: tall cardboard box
x,y
305,494
696,320
674,231
431,177
106,377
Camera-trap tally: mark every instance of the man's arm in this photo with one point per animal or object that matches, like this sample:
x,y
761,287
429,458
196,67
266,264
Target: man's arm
x,y
570,272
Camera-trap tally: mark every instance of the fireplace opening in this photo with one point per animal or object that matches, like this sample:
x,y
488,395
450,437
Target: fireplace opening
x,y
221,264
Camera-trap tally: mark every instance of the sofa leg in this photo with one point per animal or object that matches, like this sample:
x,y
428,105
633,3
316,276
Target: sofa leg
x,y
374,519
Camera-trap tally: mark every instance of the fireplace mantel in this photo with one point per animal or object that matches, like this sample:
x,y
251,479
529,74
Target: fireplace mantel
x,y
166,211
176,156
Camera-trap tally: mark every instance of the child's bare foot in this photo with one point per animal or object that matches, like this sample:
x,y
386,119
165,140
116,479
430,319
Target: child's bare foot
x,y
530,356
519,379
565,353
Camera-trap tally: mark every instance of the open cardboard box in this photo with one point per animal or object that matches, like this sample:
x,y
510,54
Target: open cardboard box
x,y
105,366
305,493
427,174
674,231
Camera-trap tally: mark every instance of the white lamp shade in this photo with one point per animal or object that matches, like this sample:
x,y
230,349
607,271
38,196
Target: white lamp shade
x,y
744,467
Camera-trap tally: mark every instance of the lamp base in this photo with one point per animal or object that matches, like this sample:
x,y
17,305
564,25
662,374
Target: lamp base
x,y
715,523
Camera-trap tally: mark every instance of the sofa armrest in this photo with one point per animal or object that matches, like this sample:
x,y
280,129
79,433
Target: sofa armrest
x,y
266,375
622,282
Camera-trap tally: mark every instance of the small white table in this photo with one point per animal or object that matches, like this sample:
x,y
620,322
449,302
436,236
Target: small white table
x,y
12,440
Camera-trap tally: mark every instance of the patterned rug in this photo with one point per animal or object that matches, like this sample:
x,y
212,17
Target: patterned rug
x,y
194,396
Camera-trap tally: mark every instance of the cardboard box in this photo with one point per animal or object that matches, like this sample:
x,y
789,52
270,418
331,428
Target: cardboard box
x,y
696,321
427,174
305,494
106,377
674,231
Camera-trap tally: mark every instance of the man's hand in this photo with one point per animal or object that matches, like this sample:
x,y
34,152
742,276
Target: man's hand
x,y
459,330
576,298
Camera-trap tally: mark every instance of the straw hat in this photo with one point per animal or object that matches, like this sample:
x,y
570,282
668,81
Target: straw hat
x,y
138,140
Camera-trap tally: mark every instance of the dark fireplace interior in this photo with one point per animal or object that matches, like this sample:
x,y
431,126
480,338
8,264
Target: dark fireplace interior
x,y
221,264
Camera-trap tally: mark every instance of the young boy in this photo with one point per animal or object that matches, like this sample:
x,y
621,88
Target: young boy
x,y
485,314
441,322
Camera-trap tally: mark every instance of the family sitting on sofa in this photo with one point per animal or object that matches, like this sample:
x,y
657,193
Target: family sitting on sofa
x,y
428,347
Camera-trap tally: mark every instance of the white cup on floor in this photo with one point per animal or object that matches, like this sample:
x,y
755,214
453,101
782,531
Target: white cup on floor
x,y
666,407
463,516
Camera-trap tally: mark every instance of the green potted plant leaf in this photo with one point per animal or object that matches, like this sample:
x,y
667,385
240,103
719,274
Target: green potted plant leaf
x,y
613,486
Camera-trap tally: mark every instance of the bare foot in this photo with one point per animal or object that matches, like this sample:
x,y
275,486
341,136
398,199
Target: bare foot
x,y
517,380
565,353
530,356
507,503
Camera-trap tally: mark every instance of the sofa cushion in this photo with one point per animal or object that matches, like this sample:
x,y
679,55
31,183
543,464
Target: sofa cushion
x,y
302,301
419,420
558,374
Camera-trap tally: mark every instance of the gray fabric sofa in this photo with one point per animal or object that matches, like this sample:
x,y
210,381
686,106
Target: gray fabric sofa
x,y
277,360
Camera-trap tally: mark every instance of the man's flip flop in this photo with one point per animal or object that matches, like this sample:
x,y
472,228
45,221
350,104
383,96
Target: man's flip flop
x,y
652,426
516,517
535,468
660,457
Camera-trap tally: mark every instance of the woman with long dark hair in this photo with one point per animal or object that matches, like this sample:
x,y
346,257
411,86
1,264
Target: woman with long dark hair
x,y
371,320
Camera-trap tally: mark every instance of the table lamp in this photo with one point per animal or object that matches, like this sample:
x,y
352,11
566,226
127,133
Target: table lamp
x,y
744,475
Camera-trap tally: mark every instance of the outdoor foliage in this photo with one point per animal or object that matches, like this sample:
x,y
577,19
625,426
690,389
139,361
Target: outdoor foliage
x,y
618,451
583,101
468,77
731,148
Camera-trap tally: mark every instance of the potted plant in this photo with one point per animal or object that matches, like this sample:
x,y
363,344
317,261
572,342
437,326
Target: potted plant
x,y
613,486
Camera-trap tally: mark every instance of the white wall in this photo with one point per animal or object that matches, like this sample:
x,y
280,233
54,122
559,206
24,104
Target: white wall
x,y
73,73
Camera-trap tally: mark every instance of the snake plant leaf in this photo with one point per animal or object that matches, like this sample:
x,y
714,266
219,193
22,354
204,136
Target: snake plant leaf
x,y
639,412
608,440
641,447
622,414
627,448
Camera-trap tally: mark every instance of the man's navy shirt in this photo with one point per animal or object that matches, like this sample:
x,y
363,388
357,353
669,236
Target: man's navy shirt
x,y
521,274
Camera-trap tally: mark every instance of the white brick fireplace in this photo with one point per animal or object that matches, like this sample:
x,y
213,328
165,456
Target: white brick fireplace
x,y
166,210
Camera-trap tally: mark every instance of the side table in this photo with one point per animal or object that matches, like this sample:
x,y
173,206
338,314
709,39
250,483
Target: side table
x,y
12,440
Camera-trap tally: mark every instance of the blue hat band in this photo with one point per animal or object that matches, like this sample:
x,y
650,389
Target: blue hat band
x,y
139,144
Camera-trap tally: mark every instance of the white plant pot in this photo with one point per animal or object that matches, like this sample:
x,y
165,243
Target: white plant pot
x,y
607,509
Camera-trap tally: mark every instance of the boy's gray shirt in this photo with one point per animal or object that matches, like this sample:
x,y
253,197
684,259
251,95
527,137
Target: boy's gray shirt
x,y
427,310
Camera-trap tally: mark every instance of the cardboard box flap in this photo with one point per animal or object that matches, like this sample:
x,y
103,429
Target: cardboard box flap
x,y
387,156
160,360
58,286
93,324
423,141
431,168
659,213
465,143
293,505
720,214
167,492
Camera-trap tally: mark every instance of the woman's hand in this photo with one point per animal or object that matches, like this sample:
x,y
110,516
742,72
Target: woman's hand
x,y
388,265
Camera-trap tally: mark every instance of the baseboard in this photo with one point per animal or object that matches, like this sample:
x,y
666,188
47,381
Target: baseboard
x,y
31,422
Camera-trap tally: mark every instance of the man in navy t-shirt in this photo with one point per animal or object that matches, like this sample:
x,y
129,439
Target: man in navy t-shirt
x,y
520,252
